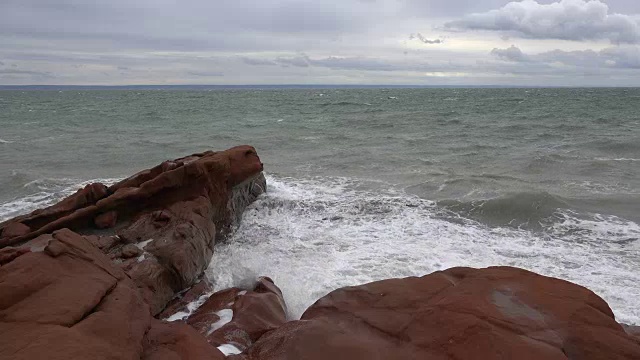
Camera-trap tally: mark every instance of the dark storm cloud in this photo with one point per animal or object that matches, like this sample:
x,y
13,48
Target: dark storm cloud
x,y
566,20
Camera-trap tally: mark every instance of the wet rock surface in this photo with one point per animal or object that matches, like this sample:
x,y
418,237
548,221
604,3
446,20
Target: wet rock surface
x,y
460,313
117,273
237,317
84,278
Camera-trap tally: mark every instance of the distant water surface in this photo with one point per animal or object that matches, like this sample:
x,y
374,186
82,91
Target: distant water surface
x,y
368,183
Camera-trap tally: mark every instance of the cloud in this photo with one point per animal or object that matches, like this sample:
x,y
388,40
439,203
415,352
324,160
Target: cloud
x,y
206,73
566,20
511,53
258,62
299,61
25,72
359,63
424,39
619,57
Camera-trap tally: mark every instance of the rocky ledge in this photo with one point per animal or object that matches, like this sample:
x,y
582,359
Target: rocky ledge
x,y
115,272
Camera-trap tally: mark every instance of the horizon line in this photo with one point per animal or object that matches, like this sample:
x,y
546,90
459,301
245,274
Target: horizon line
x,y
309,86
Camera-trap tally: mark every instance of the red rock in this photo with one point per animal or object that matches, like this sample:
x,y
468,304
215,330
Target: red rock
x,y
246,315
228,180
180,303
104,243
177,341
632,330
70,302
8,254
15,229
62,297
130,250
106,220
460,313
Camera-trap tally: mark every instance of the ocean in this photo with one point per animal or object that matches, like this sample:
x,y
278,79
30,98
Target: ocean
x,y
367,184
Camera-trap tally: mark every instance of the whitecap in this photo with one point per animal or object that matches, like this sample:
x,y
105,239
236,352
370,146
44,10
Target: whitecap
x,y
617,159
315,235
43,193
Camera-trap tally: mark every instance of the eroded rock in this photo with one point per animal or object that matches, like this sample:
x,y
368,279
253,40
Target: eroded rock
x,y
460,313
91,293
237,317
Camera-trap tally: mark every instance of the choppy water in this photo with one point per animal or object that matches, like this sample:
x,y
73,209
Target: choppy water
x,y
368,184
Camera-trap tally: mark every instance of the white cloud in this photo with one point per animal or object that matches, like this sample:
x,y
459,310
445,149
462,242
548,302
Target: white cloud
x,y
567,20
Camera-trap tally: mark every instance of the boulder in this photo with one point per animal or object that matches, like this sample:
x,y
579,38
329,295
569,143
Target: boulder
x,y
106,220
69,301
460,313
237,318
183,304
177,341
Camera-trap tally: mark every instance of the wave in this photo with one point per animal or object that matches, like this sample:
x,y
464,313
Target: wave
x,y
2,141
313,235
345,103
618,159
520,210
42,193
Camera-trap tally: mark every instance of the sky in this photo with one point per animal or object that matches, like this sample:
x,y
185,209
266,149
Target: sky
x,y
351,42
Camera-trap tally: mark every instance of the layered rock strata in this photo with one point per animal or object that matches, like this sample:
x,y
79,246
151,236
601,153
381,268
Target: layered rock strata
x,y
83,278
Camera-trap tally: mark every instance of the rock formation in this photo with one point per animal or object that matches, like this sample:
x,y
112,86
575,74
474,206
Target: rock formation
x,y
116,272
82,279
460,313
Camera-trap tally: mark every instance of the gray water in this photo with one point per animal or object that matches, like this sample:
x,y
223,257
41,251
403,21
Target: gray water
x,y
368,183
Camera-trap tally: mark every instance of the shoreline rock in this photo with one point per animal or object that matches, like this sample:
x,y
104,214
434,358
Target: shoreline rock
x,y
83,279
459,313
93,276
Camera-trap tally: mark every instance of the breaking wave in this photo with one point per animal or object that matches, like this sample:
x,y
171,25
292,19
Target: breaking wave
x,y
315,235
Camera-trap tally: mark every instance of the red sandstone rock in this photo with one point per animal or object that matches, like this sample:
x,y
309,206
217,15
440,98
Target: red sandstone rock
x,y
130,250
174,211
106,220
238,317
8,254
15,229
61,297
70,302
180,304
460,313
212,175
632,330
177,341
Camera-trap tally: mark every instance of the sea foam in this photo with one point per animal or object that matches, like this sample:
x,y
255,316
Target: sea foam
x,y
315,235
